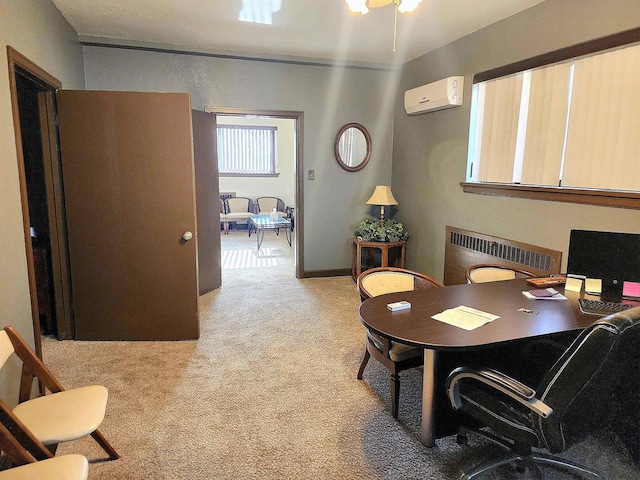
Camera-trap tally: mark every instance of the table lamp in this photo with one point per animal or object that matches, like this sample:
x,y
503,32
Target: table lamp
x,y
382,196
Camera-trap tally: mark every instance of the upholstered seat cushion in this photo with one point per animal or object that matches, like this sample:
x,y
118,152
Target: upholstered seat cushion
x,y
47,417
398,351
238,215
64,467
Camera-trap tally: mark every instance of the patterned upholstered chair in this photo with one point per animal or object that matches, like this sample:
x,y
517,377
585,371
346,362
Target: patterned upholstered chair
x,y
395,356
492,273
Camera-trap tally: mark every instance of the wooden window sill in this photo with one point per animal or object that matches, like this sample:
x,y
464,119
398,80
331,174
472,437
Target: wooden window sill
x,y
605,198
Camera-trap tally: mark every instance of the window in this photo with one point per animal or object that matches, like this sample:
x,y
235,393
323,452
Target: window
x,y
247,150
572,126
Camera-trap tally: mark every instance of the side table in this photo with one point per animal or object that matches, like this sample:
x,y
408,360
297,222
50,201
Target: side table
x,y
387,251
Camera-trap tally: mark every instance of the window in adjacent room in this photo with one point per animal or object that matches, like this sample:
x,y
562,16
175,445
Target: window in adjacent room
x,y
247,150
572,126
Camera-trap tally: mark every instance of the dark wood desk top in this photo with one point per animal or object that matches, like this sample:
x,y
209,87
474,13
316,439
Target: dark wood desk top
x,y
416,327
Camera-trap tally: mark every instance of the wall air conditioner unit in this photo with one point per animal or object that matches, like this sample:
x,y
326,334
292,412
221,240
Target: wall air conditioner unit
x,y
445,93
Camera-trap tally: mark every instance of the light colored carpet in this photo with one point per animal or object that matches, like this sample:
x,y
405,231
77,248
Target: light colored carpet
x,y
270,392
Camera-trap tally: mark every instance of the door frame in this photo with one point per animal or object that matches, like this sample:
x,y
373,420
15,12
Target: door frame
x,y
19,64
298,117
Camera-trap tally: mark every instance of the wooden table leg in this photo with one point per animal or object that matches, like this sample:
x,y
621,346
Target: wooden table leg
x,y
427,427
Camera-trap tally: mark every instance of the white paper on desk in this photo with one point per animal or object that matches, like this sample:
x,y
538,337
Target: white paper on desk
x,y
556,296
465,317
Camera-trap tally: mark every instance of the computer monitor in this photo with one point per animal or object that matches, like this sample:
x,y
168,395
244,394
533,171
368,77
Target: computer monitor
x,y
612,257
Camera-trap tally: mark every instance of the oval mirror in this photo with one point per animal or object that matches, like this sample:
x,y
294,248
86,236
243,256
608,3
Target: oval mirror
x,y
353,147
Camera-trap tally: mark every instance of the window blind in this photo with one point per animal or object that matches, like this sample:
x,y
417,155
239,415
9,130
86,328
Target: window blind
x,y
545,128
499,107
247,150
603,136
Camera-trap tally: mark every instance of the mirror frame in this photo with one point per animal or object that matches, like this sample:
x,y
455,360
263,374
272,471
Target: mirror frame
x,y
367,156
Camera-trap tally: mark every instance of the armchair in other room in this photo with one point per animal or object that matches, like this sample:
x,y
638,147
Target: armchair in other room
x,y
267,204
393,355
237,209
575,398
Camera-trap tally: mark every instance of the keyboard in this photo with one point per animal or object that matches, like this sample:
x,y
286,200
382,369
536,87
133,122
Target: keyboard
x,y
598,307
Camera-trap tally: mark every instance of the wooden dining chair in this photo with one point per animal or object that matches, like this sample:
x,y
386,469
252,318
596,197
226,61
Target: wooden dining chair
x,y
41,423
395,356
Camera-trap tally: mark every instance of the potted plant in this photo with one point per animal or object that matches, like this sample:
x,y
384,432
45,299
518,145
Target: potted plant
x,y
370,230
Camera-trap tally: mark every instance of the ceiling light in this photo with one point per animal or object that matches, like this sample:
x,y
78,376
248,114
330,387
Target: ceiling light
x,y
402,6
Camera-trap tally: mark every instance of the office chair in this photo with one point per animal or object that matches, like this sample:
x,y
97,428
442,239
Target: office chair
x,y
574,398
41,423
491,273
393,355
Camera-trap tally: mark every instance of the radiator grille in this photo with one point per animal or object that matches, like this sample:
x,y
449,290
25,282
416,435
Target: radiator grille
x,y
225,195
503,251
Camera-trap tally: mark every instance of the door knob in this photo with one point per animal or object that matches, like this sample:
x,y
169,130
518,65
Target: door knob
x,y
186,236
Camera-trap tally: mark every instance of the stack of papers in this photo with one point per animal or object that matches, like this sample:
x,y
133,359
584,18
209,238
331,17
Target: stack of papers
x,y
465,317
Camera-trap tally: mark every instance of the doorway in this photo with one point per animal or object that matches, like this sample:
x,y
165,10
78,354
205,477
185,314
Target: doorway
x,y
288,121
32,97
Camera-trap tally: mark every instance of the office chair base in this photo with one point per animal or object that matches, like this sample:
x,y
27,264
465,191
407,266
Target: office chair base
x,y
521,461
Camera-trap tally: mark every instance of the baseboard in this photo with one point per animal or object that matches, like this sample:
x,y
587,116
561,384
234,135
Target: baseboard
x,y
326,273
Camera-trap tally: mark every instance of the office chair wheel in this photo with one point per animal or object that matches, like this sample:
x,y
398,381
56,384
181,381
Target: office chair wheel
x,y
519,466
462,439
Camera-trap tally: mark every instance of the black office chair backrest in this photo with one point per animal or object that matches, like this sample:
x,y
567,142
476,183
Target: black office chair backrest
x,y
581,386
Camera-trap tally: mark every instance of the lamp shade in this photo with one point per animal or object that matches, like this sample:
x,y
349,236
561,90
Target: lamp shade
x,y
382,196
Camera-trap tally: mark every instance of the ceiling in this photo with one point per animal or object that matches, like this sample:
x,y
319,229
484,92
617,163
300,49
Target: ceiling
x,y
313,30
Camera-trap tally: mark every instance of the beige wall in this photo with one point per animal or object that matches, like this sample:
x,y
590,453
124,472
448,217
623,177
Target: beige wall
x,y
36,29
430,150
282,186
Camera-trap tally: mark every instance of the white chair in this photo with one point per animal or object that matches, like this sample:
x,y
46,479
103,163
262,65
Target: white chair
x,y
41,423
64,467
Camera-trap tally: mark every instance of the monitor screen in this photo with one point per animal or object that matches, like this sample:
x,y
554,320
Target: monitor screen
x,y
612,257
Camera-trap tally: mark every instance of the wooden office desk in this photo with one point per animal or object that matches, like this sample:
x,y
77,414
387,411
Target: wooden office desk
x,y
386,250
416,327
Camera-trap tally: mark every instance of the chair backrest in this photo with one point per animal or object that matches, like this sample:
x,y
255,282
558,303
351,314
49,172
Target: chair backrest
x,y
380,280
582,385
267,204
222,208
493,273
238,204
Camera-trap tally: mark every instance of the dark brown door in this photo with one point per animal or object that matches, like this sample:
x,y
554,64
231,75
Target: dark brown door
x,y
207,201
128,174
